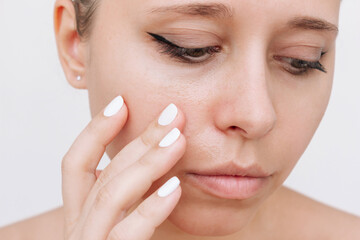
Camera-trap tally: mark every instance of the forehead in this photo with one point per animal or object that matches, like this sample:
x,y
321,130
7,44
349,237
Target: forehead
x,y
256,18
327,9
259,15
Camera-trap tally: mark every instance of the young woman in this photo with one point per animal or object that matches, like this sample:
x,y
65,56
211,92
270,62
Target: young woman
x,y
204,108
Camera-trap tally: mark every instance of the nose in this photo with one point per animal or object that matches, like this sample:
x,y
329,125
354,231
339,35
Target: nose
x,y
243,101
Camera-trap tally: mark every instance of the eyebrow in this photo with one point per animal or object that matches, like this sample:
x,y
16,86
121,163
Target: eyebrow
x,y
312,23
212,10
219,10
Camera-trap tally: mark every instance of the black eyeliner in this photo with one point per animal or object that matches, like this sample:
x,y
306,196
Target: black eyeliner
x,y
162,39
176,51
170,48
317,65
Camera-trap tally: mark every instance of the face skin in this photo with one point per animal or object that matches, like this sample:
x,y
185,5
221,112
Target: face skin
x,y
240,104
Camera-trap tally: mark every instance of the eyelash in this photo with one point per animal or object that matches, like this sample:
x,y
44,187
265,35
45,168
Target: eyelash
x,y
181,53
303,67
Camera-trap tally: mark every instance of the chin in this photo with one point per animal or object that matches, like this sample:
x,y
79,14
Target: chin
x,y
208,216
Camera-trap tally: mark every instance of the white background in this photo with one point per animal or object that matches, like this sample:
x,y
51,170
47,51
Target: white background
x,y
41,115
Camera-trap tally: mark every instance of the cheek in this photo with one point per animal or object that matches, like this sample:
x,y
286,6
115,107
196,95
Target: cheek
x,y
148,86
145,86
299,111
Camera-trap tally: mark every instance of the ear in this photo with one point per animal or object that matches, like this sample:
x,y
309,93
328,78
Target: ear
x,y
71,50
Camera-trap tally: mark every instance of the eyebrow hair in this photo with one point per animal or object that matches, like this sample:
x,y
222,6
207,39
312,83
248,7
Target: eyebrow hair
x,y
219,10
212,10
312,23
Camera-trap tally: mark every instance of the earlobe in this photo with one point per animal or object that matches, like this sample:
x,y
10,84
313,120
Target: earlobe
x,y
71,50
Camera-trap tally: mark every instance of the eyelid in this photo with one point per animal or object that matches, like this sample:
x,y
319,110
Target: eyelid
x,y
304,60
302,71
184,44
178,52
302,52
190,37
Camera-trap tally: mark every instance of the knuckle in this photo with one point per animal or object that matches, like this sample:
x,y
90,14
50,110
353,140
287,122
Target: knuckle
x,y
143,212
93,136
103,178
103,197
69,165
144,162
117,234
147,139
92,127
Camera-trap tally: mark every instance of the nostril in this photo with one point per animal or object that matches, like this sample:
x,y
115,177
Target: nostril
x,y
235,128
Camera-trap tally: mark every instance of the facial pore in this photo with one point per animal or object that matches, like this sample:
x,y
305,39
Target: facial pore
x,y
242,100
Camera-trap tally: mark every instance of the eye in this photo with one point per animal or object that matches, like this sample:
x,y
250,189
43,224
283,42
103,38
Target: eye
x,y
299,66
198,55
187,55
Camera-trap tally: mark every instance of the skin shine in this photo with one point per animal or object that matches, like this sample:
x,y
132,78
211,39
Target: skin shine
x,y
241,105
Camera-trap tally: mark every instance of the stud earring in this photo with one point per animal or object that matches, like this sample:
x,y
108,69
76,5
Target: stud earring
x,y
78,78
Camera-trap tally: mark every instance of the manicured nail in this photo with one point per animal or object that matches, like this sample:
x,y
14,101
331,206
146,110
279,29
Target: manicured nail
x,y
114,106
168,115
170,138
168,187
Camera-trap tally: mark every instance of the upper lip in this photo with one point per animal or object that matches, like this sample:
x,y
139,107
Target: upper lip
x,y
233,169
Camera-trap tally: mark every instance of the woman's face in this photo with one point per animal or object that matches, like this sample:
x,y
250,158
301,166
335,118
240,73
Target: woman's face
x,y
242,99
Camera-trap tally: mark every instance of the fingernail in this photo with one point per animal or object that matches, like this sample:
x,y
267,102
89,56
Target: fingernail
x,y
168,187
114,106
168,115
170,138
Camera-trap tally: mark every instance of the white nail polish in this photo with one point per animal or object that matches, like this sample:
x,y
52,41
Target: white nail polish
x,y
168,187
170,138
168,115
114,106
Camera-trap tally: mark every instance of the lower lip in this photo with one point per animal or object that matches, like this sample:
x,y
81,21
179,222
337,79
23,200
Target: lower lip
x,y
228,186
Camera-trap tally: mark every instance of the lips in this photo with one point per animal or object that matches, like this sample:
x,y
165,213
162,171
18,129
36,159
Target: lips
x,y
230,180
233,169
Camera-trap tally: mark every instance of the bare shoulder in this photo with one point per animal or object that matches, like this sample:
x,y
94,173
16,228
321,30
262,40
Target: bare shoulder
x,y
48,225
317,220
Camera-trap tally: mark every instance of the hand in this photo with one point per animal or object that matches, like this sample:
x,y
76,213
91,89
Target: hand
x,y
96,205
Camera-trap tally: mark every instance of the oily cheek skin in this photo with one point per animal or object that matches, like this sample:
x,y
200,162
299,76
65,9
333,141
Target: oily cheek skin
x,y
298,116
147,88
147,91
143,95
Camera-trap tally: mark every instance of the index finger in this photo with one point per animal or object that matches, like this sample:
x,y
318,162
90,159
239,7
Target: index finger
x,y
80,162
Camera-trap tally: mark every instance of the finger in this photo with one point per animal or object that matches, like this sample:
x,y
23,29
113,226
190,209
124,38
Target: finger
x,y
154,210
169,118
80,162
118,195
